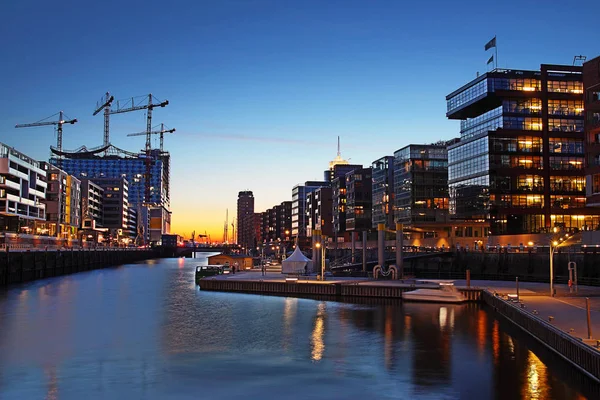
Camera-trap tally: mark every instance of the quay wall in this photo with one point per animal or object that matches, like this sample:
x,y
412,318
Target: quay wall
x,y
582,356
24,266
317,289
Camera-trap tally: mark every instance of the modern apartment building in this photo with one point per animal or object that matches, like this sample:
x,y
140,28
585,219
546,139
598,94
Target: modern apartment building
x,y
63,203
383,192
115,207
591,87
338,200
421,184
359,198
519,162
299,219
22,191
245,211
92,203
319,211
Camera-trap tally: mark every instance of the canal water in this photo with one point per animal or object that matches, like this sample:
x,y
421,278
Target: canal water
x,y
145,331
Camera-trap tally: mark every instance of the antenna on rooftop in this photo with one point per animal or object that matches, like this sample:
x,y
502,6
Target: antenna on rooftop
x,y
339,153
579,58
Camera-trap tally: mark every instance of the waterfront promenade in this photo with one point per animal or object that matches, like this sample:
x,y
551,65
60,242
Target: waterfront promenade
x,y
567,309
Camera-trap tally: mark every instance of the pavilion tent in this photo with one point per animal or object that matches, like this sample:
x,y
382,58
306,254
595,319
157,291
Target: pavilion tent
x,y
296,263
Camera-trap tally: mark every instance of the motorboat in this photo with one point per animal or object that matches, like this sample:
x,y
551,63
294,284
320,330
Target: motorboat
x,y
443,291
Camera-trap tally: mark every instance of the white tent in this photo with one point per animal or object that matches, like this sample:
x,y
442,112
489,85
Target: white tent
x,y
296,263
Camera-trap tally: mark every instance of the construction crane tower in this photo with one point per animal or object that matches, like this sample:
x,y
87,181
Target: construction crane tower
x,y
61,121
132,105
160,132
106,102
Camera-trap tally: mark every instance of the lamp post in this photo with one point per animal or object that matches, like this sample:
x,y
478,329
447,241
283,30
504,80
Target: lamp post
x,y
554,244
322,246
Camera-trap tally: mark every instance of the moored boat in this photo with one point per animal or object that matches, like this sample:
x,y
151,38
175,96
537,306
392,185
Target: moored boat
x,y
446,292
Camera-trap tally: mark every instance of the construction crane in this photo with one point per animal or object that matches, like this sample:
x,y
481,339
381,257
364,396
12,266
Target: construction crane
x,y
132,105
106,103
160,132
61,121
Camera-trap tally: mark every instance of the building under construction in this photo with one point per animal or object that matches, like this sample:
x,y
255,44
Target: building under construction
x,y
111,162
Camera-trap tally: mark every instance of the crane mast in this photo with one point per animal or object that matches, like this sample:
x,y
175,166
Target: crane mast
x,y
106,103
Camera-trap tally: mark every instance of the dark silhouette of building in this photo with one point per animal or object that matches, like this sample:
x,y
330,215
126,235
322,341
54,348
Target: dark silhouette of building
x,y
245,215
383,192
591,87
359,200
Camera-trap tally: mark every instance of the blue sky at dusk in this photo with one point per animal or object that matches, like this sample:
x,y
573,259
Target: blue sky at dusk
x,y
260,90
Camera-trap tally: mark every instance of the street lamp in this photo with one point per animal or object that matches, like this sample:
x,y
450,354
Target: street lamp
x,y
322,247
554,244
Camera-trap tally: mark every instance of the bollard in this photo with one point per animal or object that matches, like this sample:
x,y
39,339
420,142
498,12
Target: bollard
x,y
550,318
517,279
468,278
589,325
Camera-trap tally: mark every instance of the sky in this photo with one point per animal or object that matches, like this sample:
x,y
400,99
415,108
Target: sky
x,y
259,90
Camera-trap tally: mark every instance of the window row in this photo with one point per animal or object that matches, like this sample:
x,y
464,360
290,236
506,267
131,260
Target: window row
x,y
468,150
565,87
526,144
567,202
468,167
566,163
565,125
523,84
467,95
517,200
522,106
565,107
564,145
510,161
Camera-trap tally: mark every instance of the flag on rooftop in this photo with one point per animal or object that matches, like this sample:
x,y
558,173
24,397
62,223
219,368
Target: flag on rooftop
x,y
490,44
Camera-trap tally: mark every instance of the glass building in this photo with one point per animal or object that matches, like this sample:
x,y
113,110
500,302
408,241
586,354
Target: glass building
x,y
359,199
299,219
383,192
112,162
591,85
421,184
519,162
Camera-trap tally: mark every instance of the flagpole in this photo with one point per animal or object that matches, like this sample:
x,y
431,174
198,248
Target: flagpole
x,y
496,46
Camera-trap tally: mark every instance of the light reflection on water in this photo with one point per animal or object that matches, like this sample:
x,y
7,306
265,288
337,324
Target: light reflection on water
x,y
147,331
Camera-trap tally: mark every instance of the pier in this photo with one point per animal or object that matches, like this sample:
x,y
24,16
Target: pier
x,y
559,323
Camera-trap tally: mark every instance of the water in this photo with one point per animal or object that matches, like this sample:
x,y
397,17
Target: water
x,y
146,331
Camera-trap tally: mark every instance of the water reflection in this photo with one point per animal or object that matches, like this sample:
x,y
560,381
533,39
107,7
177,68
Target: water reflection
x,y
317,338
148,332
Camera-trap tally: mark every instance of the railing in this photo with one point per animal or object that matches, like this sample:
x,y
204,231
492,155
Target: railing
x,y
584,357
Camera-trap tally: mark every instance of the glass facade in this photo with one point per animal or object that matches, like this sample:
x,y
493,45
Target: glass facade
x,y
383,192
521,182
421,184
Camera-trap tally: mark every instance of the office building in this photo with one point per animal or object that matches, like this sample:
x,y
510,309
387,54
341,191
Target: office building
x,y
22,191
63,203
359,198
519,162
383,192
421,184
591,87
245,211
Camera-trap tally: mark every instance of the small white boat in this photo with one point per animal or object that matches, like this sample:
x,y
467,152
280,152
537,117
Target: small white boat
x,y
446,292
